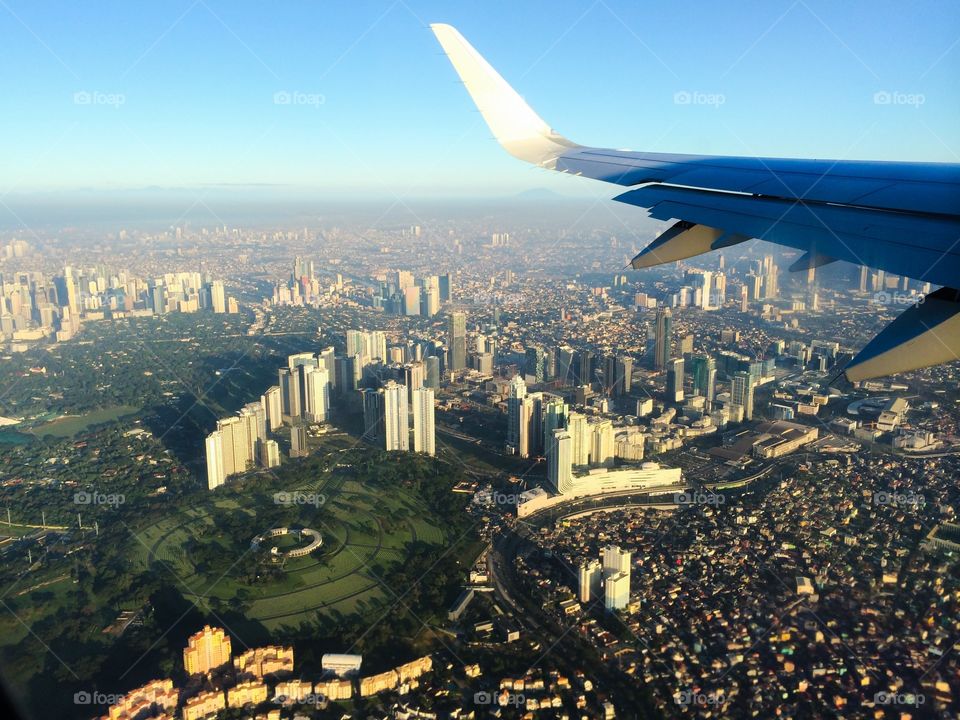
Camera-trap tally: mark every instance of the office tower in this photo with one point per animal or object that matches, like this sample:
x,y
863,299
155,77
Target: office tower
x,y
581,436
432,374
616,591
686,345
531,425
411,300
559,466
864,274
396,424
675,380
770,278
272,402
663,338
621,381
482,363
590,581
703,370
516,394
302,269
348,373
414,376
744,298
564,357
584,367
741,393
327,359
535,364
298,441
445,286
206,650
719,289
218,297
424,432
316,384
430,302
458,341
554,411
290,393
216,475
372,414
602,444
269,454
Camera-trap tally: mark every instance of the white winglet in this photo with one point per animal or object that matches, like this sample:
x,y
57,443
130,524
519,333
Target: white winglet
x,y
520,131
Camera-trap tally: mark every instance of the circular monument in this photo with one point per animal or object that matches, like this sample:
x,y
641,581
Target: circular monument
x,y
315,541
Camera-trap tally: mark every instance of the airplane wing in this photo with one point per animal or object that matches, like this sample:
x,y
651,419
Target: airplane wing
x,y
900,217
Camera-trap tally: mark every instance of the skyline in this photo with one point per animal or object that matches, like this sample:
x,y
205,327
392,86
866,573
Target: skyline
x,y
209,97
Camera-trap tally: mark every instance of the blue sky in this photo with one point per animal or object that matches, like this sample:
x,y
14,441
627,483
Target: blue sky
x,y
180,94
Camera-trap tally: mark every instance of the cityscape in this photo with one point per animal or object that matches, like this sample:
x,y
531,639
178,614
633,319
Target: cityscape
x,y
313,411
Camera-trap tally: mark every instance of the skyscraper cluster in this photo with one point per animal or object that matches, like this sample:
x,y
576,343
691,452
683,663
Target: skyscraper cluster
x,y
386,417
34,306
401,293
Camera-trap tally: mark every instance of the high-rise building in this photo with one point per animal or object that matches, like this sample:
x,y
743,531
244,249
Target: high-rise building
x,y
675,380
616,591
206,650
445,286
424,432
298,441
535,364
316,382
396,427
372,414
554,411
432,379
218,296
517,392
559,461
703,370
269,454
663,338
348,373
272,403
741,393
602,443
590,581
414,376
290,394
581,436
216,474
458,341
531,425
327,359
